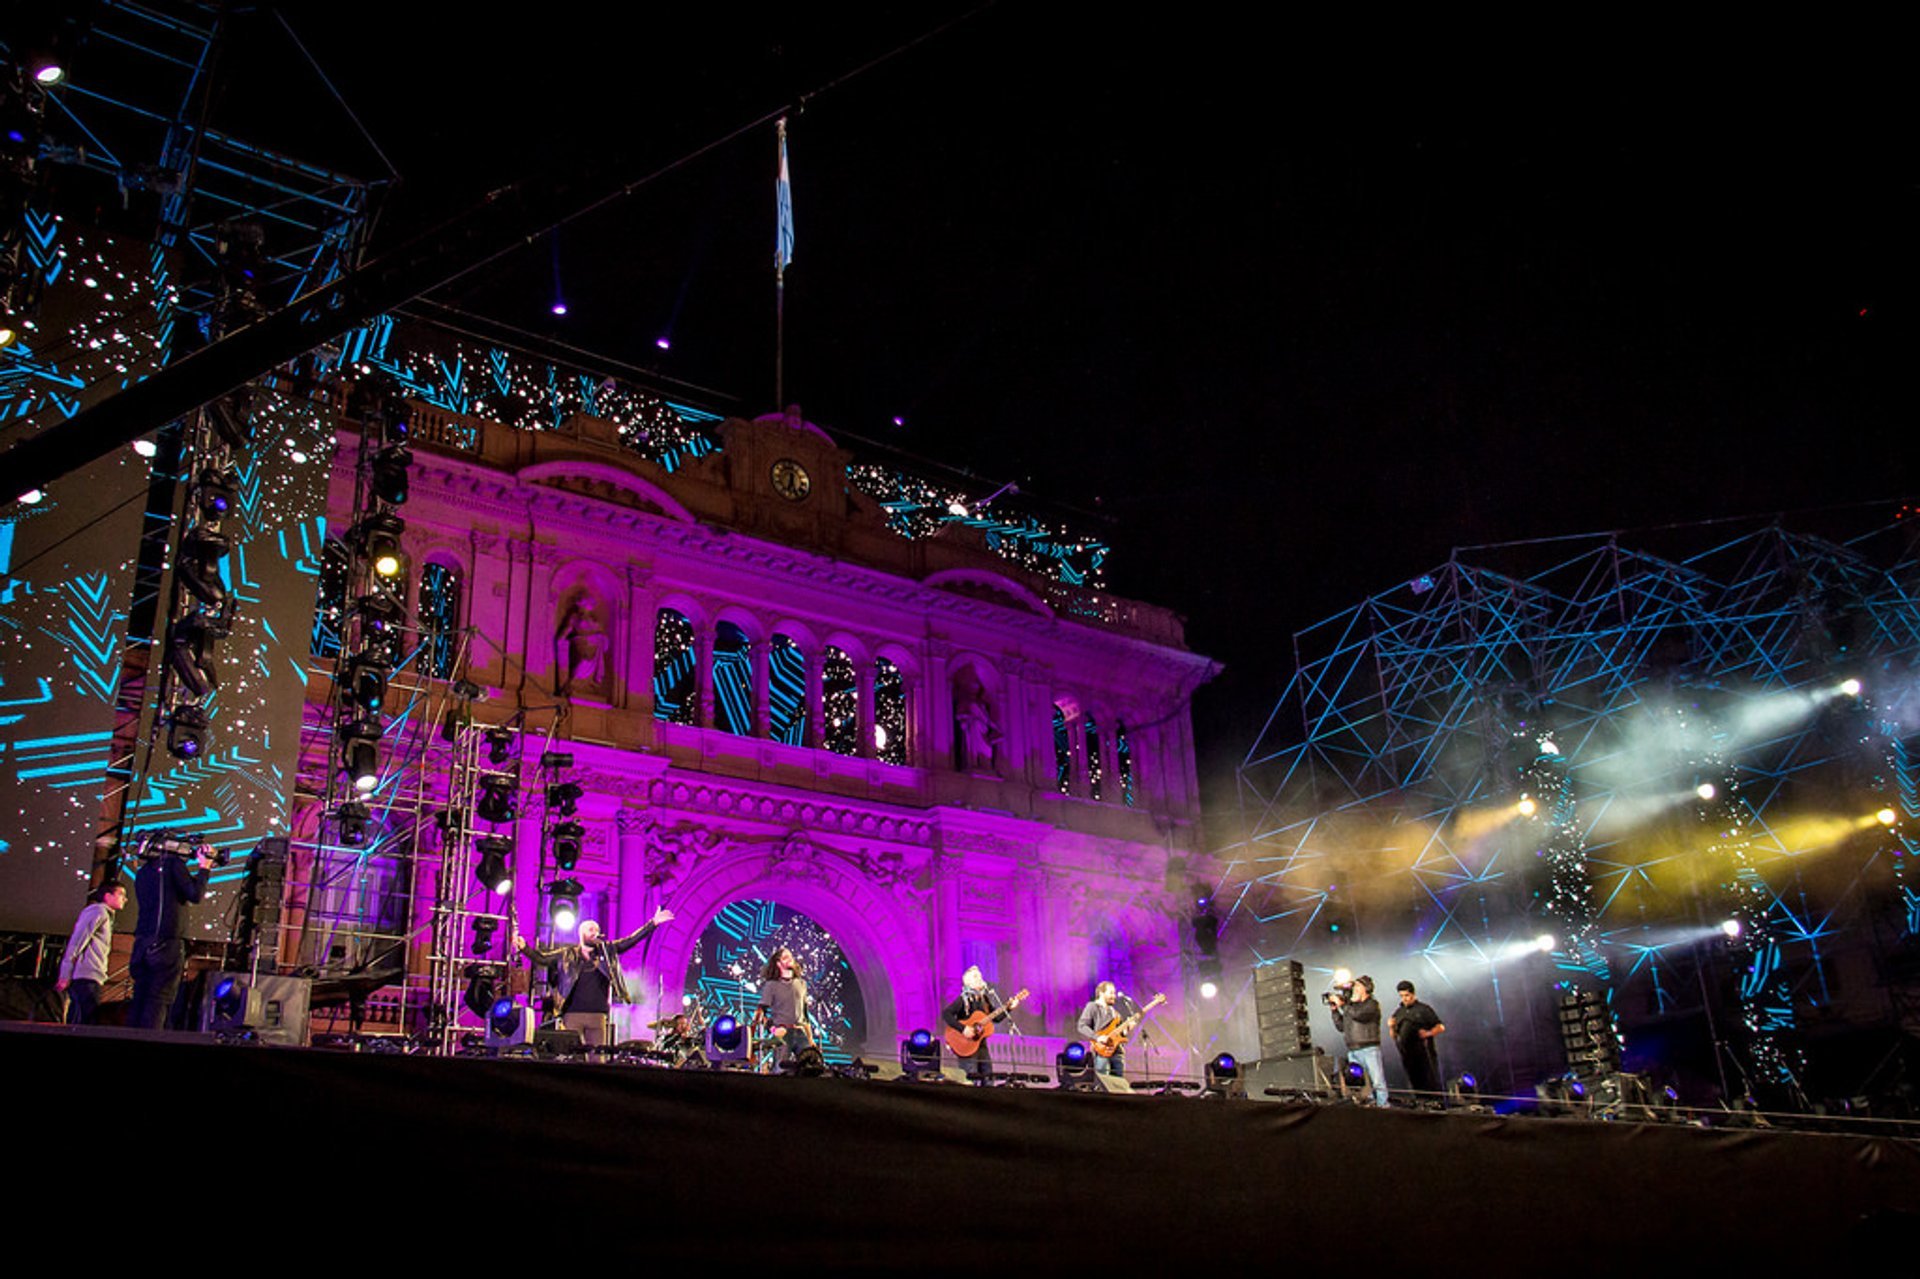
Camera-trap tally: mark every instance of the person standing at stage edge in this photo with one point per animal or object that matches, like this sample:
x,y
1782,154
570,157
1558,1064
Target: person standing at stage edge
x,y
162,887
975,996
1356,1015
1100,1013
1413,1026
83,968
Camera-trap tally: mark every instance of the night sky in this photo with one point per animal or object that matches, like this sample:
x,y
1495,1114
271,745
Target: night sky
x,y
1283,313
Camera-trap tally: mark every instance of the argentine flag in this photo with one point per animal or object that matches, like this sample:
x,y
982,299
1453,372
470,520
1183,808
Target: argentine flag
x,y
783,194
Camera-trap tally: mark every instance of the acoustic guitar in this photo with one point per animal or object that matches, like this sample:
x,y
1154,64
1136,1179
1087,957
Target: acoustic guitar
x,y
1114,1035
981,1024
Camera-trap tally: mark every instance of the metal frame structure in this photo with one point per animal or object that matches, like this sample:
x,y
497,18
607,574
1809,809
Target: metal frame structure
x,y
1417,720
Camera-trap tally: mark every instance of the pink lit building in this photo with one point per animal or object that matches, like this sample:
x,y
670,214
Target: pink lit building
x,y
936,755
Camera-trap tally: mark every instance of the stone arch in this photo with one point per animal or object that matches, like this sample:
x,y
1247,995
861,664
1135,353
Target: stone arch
x,y
601,479
884,938
995,588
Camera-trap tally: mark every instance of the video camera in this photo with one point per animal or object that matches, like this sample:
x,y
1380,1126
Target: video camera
x,y
167,843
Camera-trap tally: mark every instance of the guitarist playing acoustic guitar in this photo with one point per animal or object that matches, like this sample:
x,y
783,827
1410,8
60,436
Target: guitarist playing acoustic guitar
x,y
971,1018
1105,1026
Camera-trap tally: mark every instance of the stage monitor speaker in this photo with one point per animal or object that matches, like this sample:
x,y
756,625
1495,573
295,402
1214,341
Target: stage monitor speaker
x,y
1115,1083
1302,1074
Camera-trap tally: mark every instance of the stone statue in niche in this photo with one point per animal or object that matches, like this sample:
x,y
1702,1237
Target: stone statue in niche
x,y
581,644
976,734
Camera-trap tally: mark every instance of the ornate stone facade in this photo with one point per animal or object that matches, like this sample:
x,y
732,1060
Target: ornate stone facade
x,y
890,736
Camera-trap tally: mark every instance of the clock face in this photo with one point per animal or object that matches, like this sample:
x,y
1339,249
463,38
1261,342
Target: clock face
x,y
790,479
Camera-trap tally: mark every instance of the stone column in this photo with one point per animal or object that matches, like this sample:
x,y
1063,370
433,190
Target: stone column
x,y
637,666
863,674
935,747
816,699
703,677
760,652
946,867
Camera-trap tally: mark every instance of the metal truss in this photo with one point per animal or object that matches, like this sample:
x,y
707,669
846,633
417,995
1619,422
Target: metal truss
x,y
1413,722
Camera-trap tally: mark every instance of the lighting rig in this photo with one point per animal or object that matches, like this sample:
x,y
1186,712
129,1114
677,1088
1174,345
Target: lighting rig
x,y
23,115
373,642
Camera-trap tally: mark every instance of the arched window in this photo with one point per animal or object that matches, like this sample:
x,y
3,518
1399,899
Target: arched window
x,y
439,620
732,680
889,712
1062,751
1123,761
787,691
330,601
840,689
674,691
1095,770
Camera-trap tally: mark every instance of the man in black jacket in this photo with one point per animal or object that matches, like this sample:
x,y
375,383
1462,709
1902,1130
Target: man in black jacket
x,y
162,886
590,981
1356,1015
1414,1026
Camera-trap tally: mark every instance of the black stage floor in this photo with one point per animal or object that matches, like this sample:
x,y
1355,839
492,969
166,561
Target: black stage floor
x,y
286,1154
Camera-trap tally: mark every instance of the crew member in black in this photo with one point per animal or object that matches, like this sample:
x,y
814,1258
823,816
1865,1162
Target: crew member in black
x,y
163,885
1413,1026
783,1003
976,996
590,980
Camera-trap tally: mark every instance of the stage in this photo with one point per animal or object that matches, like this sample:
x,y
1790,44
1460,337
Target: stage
x,y
279,1151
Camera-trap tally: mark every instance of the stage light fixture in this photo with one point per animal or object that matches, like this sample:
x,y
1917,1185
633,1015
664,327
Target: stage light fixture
x,y
1851,687
484,926
1706,790
187,732
556,759
198,566
9,333
146,448
1731,927
499,746
377,537
564,797
1356,1075
354,821
217,493
503,1018
566,844
229,1001
728,1044
1073,1069
563,904
360,743
492,869
1547,746
1208,990
388,473
1526,807
193,652
47,71
664,343
367,681
1223,1077
920,1055
1545,943
1886,817
480,986
498,803
232,417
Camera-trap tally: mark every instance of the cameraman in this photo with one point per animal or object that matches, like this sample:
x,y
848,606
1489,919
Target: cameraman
x,y
163,885
1356,1014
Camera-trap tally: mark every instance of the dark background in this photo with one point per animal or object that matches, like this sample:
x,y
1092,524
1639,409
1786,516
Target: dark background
x,y
1283,311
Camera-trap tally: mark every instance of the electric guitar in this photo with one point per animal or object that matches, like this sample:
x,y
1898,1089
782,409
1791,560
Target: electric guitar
x,y
965,1044
1114,1035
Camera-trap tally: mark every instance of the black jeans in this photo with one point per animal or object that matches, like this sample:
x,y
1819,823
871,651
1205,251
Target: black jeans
x,y
157,965
83,1001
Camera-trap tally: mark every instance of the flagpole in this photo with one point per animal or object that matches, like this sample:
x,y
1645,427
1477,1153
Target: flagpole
x,y
782,255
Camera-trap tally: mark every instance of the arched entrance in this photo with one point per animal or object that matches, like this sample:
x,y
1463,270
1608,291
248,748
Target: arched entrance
x,y
732,952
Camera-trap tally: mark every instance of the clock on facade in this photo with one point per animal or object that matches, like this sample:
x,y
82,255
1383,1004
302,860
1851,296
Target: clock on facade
x,y
790,479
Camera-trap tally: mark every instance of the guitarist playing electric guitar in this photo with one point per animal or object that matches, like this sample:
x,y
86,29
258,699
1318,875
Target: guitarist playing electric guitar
x,y
971,1018
1105,1025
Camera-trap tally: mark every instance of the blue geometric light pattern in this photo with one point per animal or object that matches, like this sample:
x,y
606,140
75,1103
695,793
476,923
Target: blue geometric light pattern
x,y
733,951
